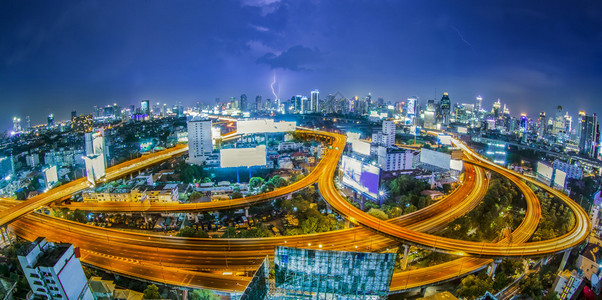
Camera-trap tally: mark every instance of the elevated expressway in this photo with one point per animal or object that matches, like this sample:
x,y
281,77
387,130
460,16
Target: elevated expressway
x,y
144,270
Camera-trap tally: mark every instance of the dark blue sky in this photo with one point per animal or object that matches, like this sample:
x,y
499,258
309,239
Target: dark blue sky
x,y
60,55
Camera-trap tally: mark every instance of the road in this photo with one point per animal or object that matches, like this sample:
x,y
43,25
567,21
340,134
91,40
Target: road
x,y
126,244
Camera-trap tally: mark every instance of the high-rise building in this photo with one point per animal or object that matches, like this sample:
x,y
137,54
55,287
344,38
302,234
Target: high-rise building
x,y
397,159
27,123
496,109
73,114
50,120
479,104
542,129
429,115
145,107
16,124
244,104
411,106
258,103
96,145
200,143
331,104
590,135
314,101
445,108
54,271
559,126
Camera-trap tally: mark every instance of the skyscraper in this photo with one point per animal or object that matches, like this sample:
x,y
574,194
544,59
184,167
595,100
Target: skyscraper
x,y
496,109
543,125
244,105
445,108
314,101
559,126
258,103
145,107
73,114
50,120
16,124
200,143
478,104
590,135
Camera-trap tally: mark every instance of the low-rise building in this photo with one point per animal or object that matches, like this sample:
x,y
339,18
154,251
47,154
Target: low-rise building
x,y
151,193
397,159
572,171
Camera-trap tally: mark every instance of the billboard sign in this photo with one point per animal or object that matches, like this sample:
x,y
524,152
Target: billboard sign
x,y
360,176
243,157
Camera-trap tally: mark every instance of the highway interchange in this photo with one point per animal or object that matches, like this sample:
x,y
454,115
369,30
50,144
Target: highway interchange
x,y
202,262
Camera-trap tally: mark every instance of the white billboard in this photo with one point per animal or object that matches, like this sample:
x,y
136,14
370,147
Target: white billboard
x,y
435,158
559,178
243,157
444,139
264,126
357,145
462,130
544,171
51,176
456,164
362,177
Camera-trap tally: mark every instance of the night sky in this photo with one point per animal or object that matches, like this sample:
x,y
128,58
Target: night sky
x,y
56,56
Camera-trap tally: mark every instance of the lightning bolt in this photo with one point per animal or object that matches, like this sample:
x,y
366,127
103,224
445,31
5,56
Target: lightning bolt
x,y
272,86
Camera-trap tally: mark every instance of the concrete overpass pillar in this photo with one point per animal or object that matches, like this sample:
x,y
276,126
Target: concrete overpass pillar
x,y
347,223
289,196
247,212
493,266
565,257
423,291
404,261
3,231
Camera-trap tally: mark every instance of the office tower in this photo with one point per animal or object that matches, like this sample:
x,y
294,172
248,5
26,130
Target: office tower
x,y
429,115
200,143
381,103
411,106
27,123
16,124
258,103
314,101
54,271
244,105
542,125
496,109
96,146
559,125
331,104
50,120
445,108
479,104
590,135
145,107
296,104
73,114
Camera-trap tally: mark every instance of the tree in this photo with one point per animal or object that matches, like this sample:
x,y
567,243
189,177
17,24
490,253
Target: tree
x,y
191,232
377,213
195,195
151,292
473,286
531,286
256,182
202,295
236,194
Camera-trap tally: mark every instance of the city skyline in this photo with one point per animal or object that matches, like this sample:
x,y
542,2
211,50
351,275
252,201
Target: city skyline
x,y
73,56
